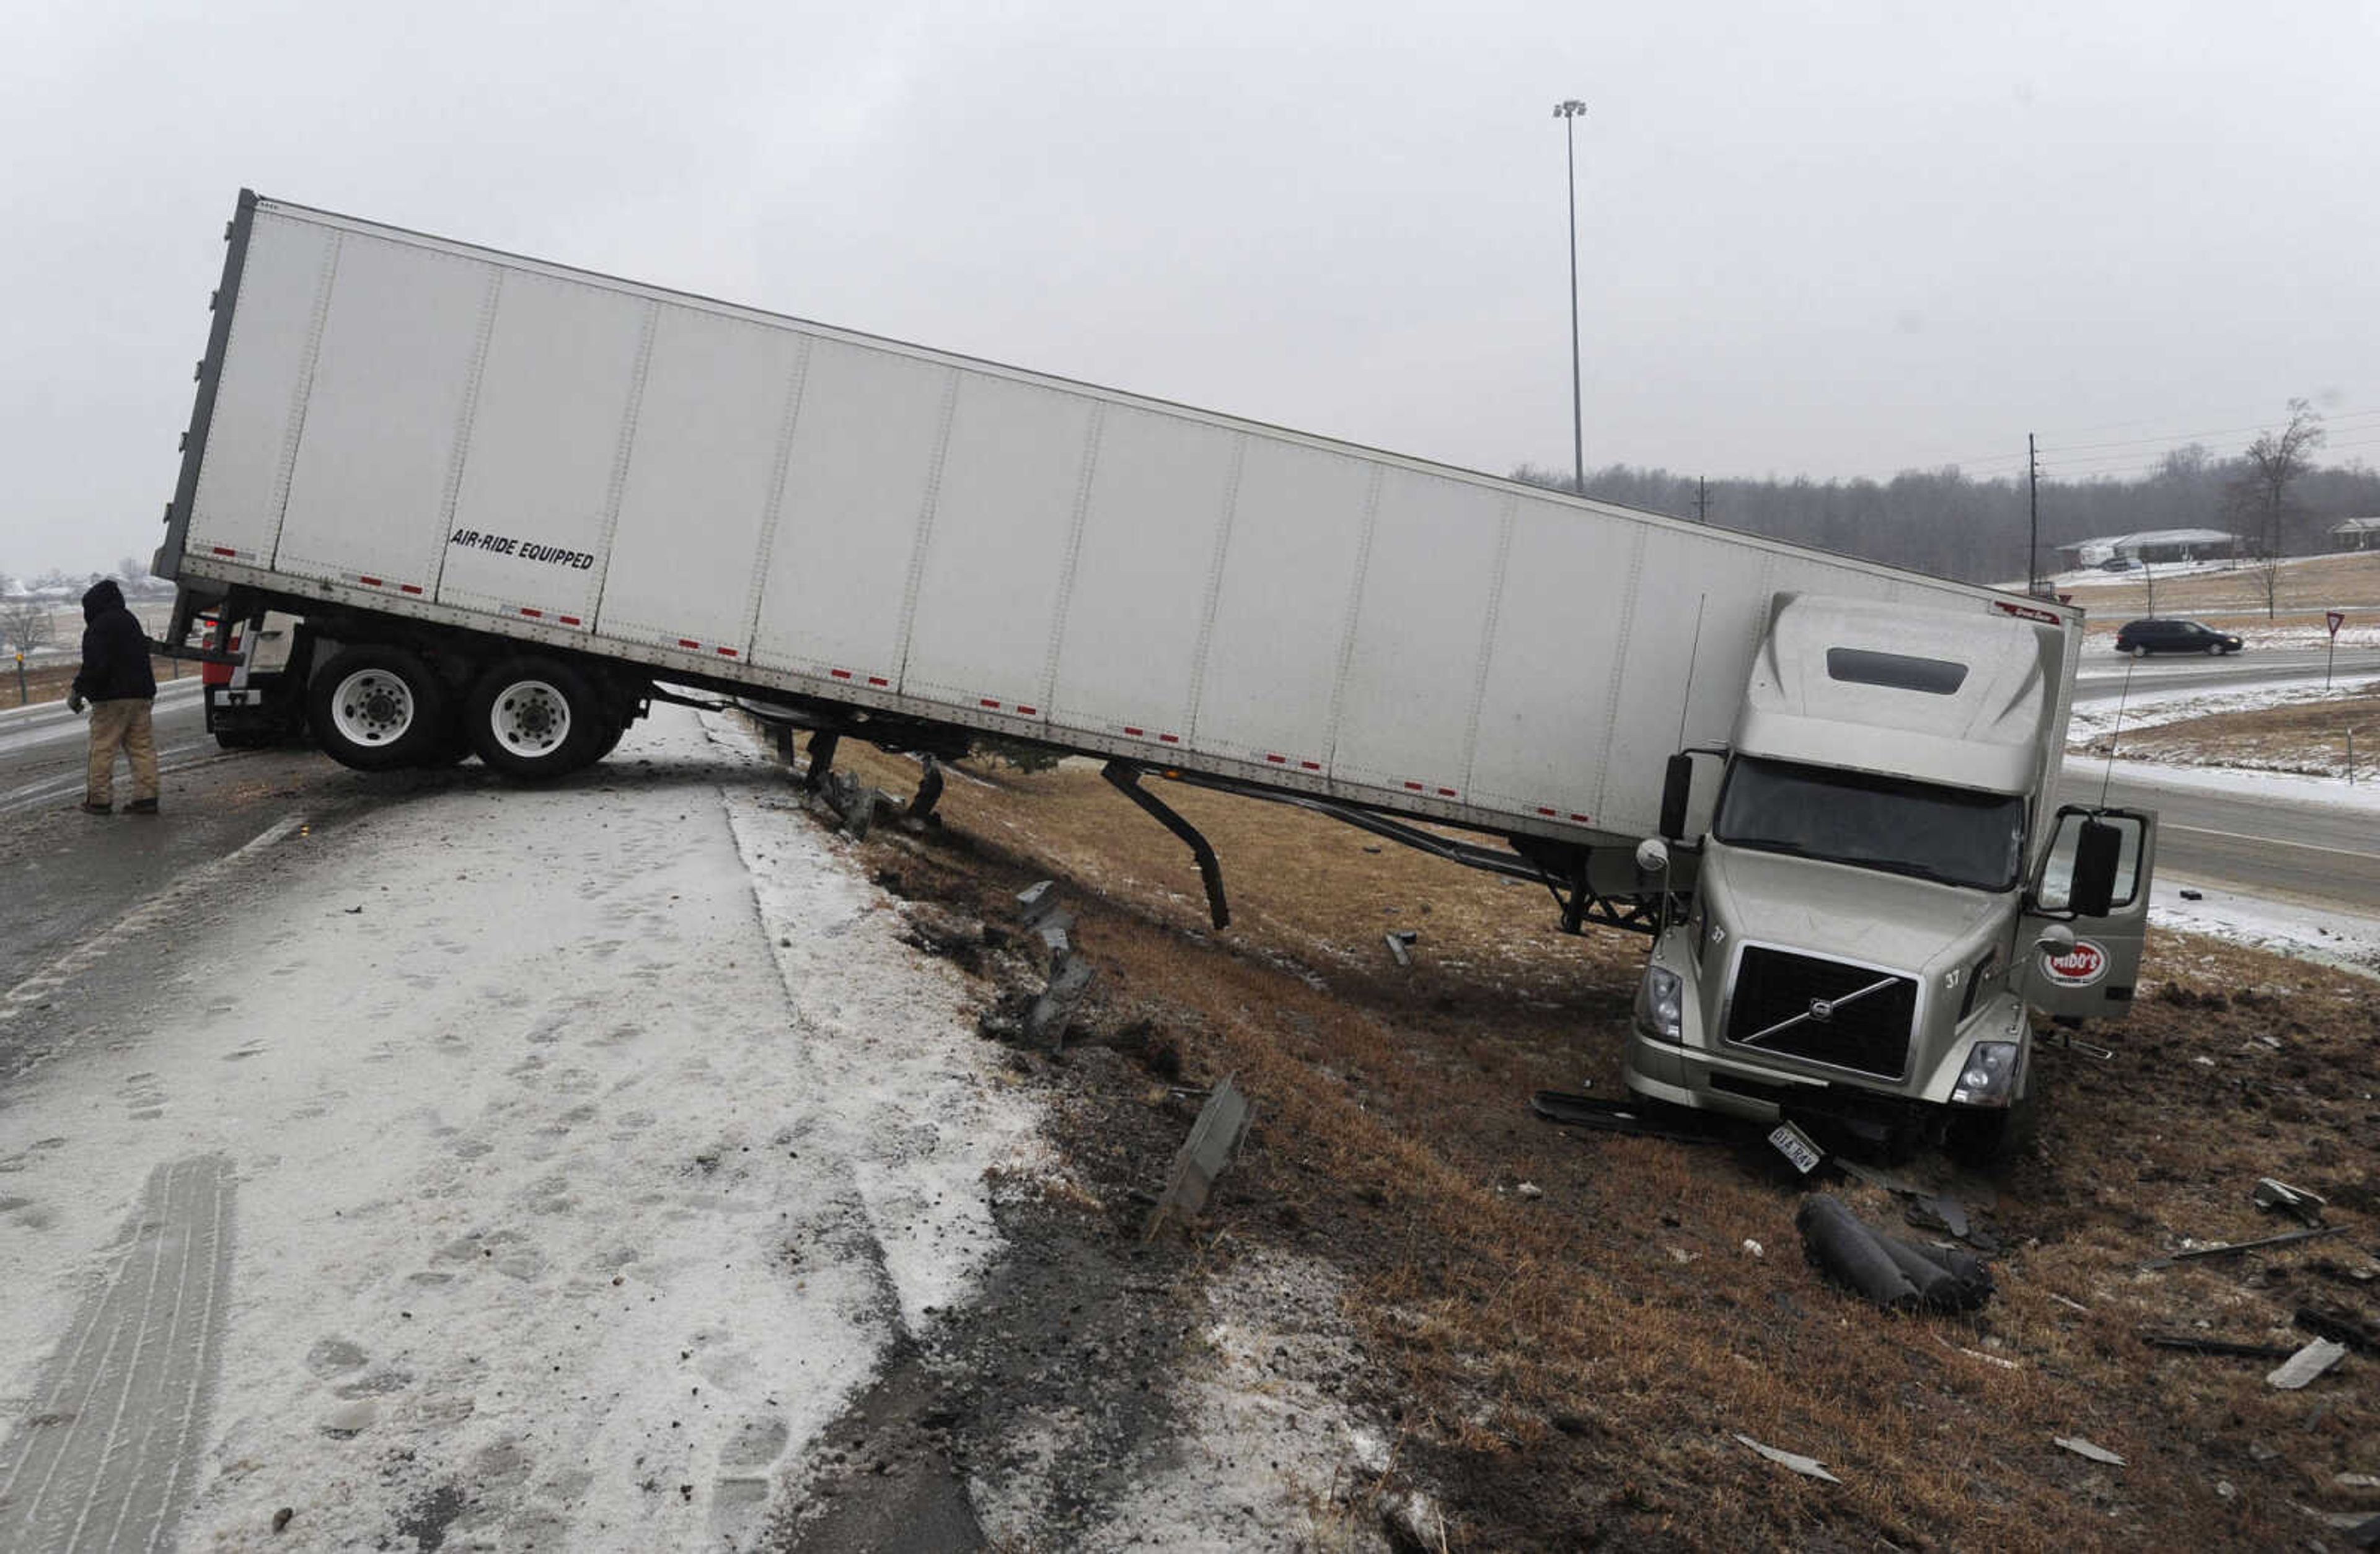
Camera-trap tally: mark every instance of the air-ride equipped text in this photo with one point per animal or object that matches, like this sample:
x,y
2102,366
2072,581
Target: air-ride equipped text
x,y
504,545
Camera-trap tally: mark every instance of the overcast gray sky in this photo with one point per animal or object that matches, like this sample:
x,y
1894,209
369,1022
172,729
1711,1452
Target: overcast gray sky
x,y
1830,239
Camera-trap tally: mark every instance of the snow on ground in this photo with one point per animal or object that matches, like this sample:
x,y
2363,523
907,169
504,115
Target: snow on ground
x,y
2287,786
2324,935
1266,1444
2150,708
591,1145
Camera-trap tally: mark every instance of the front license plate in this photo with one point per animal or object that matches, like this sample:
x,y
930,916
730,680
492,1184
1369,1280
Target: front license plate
x,y
1795,1145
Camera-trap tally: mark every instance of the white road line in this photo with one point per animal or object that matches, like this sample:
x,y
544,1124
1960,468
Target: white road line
x,y
2269,841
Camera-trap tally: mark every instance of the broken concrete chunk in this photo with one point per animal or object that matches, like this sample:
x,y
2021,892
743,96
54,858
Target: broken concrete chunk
x,y
2082,1448
1036,899
1808,1467
2307,1364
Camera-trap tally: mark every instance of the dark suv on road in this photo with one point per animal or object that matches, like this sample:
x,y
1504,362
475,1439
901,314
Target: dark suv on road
x,y
2142,638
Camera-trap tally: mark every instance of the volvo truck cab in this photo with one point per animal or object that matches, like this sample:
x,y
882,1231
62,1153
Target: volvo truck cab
x,y
1883,886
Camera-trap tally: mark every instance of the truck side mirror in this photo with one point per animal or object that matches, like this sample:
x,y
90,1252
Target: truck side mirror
x,y
1677,786
2097,851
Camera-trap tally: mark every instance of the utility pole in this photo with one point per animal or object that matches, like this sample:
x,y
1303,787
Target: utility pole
x,y
2033,543
1701,499
1568,111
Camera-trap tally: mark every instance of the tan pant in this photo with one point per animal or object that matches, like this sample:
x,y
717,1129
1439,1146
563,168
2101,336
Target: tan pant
x,y
120,724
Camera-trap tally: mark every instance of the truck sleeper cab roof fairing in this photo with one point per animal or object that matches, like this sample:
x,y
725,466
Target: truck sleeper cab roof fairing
x,y
1902,691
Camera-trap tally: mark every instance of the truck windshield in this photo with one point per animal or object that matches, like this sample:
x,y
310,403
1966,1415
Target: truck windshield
x,y
1950,834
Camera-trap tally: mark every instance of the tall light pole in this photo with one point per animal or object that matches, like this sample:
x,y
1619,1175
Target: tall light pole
x,y
1568,112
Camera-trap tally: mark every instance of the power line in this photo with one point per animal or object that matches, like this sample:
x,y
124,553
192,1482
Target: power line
x,y
2186,437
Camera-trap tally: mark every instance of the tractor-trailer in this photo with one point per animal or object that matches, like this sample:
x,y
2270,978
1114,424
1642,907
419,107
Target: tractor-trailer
x,y
507,503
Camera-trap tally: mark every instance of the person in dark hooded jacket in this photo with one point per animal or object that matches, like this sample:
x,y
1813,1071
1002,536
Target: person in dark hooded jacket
x,y
116,681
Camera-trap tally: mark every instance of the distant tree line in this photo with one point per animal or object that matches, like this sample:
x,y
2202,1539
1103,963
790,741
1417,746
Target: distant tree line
x,y
1945,523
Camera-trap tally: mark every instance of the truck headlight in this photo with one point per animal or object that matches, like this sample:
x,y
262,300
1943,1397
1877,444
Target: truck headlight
x,y
1989,1078
1659,1001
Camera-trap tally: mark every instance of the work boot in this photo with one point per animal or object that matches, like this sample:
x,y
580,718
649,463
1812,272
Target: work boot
x,y
90,809
141,807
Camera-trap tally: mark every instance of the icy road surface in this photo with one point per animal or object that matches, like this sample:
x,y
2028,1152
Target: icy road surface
x,y
531,1169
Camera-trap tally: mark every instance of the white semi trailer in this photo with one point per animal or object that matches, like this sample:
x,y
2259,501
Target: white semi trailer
x,y
511,503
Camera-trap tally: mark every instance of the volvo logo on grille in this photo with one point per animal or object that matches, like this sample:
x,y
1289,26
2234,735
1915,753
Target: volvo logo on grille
x,y
1822,1010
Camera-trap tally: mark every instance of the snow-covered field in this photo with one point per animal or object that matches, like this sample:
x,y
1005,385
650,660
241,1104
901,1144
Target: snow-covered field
x,y
629,1085
2150,708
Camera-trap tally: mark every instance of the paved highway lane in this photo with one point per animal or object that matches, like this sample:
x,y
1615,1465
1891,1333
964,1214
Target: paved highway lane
x,y
2102,674
2317,853
72,875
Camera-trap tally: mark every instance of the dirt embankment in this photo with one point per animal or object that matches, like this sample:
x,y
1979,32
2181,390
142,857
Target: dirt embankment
x,y
1571,1364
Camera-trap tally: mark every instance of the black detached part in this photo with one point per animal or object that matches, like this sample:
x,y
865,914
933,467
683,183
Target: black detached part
x,y
1889,1271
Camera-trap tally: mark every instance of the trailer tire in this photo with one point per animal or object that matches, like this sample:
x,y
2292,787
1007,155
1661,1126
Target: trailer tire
x,y
536,719
376,708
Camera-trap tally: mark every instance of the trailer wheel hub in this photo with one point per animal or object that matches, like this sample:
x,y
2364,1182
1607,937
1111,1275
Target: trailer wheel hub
x,y
373,706
529,718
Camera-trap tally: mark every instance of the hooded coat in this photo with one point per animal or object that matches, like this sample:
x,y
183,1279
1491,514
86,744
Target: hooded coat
x,y
115,650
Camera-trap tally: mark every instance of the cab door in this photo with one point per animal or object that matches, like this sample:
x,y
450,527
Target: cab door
x,y
2094,979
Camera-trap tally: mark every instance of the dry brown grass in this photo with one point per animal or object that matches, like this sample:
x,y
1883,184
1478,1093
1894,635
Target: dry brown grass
x,y
51,682
1572,1369
2230,600
2306,736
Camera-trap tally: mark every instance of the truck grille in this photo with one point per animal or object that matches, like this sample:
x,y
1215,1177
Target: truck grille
x,y
1869,1033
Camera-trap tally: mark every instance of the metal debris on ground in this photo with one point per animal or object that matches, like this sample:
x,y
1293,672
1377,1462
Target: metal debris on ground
x,y
2192,1344
2362,1337
1942,1213
1808,1467
2293,1201
1054,930
1399,942
1215,1139
1054,1010
1887,1180
2092,1449
2307,1364
1979,1354
1572,1110
2227,1249
1887,1270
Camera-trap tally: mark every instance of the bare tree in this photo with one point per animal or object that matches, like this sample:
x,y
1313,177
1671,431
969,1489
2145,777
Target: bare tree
x,y
132,569
2273,461
25,625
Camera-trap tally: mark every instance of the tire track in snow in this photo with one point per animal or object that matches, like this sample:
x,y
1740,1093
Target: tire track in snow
x,y
99,1463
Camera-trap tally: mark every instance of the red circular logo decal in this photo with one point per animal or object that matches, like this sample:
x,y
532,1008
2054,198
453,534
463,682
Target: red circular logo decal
x,y
2078,968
